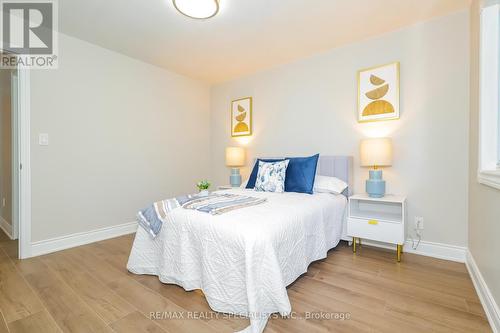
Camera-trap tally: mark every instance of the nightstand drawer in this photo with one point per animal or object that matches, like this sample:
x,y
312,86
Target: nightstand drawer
x,y
376,230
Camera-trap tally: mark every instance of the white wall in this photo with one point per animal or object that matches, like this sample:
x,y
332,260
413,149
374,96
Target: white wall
x,y
309,106
5,146
484,208
122,135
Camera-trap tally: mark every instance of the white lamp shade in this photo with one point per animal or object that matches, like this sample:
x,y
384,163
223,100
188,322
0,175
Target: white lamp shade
x,y
376,152
235,156
198,9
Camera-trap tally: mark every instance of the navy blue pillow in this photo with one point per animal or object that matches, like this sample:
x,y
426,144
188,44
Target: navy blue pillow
x,y
255,170
300,174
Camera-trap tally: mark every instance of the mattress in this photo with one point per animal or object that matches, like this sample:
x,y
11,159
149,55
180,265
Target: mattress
x,y
244,259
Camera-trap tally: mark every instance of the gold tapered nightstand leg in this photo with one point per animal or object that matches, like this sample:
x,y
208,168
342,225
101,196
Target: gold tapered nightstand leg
x,y
354,244
359,241
400,250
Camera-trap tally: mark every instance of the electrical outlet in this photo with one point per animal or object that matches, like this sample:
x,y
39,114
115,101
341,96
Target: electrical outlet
x,y
419,223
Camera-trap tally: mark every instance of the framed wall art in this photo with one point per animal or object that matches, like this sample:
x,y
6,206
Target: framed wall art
x,y
378,93
241,117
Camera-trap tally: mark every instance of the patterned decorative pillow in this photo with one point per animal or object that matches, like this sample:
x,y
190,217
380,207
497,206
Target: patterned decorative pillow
x,y
271,176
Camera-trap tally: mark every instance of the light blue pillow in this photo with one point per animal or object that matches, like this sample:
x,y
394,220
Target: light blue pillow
x,y
271,176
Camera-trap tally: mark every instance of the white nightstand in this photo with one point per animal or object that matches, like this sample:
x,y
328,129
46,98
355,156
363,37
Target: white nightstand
x,y
378,219
224,187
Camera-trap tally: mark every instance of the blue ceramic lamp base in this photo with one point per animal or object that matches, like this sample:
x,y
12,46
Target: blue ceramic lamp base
x,y
235,178
375,186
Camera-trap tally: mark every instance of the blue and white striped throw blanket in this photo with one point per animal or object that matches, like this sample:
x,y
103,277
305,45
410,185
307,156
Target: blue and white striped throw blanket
x,y
153,217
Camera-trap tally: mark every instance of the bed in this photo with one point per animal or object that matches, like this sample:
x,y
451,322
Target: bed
x,y
244,259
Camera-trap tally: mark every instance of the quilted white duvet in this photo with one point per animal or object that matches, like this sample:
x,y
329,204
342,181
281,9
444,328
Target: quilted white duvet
x,y
243,260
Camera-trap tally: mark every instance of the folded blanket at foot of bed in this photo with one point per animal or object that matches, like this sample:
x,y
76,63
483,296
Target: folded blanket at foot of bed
x,y
152,218
216,204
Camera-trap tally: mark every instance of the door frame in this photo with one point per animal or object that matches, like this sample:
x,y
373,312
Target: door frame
x,y
21,166
21,152
14,106
24,155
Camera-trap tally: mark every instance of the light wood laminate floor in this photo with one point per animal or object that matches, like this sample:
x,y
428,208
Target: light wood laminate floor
x,y
88,289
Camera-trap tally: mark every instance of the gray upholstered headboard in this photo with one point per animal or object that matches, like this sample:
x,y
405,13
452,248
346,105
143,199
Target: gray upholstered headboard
x,y
334,166
337,166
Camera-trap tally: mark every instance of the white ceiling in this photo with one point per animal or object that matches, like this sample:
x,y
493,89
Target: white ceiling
x,y
246,35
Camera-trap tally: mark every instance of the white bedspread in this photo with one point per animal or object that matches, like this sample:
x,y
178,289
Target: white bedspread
x,y
243,260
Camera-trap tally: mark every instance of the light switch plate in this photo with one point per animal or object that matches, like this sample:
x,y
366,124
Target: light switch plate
x,y
43,139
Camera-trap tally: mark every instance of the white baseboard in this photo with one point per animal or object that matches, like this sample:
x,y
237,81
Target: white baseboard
x,y
437,250
484,293
6,227
429,249
81,238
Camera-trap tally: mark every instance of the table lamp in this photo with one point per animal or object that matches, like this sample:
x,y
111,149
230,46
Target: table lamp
x,y
235,157
376,153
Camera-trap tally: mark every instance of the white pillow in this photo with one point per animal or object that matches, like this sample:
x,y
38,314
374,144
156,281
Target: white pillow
x,y
325,184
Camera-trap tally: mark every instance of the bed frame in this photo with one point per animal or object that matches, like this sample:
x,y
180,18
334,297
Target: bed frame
x,y
334,166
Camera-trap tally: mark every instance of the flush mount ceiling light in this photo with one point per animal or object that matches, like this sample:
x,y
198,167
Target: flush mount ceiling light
x,y
197,9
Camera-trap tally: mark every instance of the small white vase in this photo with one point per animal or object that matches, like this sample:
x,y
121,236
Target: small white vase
x,y
203,193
